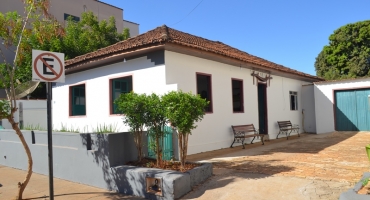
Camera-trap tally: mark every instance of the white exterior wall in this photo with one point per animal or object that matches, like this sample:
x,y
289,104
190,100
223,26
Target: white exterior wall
x,y
214,131
147,78
308,106
324,101
34,114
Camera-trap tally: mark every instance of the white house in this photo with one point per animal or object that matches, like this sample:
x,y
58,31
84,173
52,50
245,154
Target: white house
x,y
342,105
242,88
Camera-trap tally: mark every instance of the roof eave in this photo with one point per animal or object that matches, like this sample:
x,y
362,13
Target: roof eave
x,y
110,58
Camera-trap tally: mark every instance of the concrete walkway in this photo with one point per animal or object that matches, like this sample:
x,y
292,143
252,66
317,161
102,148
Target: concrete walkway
x,y
307,167
38,188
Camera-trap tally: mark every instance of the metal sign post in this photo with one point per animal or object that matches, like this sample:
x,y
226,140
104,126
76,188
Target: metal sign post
x,y
50,140
48,67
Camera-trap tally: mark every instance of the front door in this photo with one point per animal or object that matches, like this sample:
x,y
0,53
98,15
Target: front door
x,y
262,109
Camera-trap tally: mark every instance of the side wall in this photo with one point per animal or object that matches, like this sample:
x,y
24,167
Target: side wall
x,y
308,106
324,101
214,131
34,114
148,76
72,154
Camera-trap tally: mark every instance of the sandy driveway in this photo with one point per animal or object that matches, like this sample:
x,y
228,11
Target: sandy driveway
x,y
309,167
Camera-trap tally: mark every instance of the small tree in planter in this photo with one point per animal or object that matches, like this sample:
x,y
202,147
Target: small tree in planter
x,y
133,106
156,120
183,110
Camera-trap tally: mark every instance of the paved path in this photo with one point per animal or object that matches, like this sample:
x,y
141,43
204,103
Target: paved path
x,y
38,188
309,167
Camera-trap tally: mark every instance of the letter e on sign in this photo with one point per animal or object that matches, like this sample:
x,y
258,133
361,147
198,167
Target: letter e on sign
x,y
47,66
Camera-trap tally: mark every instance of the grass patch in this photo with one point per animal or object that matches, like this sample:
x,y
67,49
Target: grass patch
x,y
105,128
66,128
32,127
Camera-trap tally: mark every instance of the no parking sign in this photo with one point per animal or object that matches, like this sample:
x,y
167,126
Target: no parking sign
x,y
47,66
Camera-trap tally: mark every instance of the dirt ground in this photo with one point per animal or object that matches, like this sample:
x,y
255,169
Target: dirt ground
x,y
307,167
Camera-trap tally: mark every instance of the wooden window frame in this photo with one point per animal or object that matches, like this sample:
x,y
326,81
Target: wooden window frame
x,y
242,95
210,88
296,100
111,113
70,96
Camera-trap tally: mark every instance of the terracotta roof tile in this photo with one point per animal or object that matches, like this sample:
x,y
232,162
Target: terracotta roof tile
x,y
164,34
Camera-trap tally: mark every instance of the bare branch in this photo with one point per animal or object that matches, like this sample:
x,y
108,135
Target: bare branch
x,y
20,37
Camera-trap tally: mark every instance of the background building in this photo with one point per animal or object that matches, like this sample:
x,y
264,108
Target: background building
x,y
62,9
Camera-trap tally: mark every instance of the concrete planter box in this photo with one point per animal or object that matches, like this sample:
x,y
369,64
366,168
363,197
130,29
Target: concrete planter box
x,y
351,194
174,184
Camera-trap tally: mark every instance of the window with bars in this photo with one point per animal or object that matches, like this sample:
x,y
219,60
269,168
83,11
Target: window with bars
x,y
293,100
119,86
78,100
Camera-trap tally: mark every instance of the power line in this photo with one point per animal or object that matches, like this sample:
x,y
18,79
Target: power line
x,y
188,13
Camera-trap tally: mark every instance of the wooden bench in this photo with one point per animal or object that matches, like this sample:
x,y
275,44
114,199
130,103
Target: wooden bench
x,y
287,127
245,131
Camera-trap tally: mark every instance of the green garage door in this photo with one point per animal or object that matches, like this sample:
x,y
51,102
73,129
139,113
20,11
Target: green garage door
x,y
352,110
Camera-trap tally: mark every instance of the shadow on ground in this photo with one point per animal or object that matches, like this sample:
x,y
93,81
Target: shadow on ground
x,y
334,156
221,179
307,143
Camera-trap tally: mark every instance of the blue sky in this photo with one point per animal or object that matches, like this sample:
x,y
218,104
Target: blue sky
x,y
288,32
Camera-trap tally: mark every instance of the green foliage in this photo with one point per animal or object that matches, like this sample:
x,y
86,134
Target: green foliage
x,y
41,30
32,127
75,39
365,181
85,36
348,53
184,109
105,128
156,120
4,109
66,128
156,115
134,108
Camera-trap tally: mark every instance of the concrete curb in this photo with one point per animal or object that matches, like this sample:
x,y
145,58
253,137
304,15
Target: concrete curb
x,y
351,194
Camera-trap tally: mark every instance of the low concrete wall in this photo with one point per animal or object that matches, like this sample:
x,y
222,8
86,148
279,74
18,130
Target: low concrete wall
x,y
29,113
83,158
97,160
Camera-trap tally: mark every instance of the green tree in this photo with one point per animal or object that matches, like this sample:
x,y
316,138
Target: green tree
x,y
183,110
156,120
348,53
134,107
15,33
77,38
87,35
